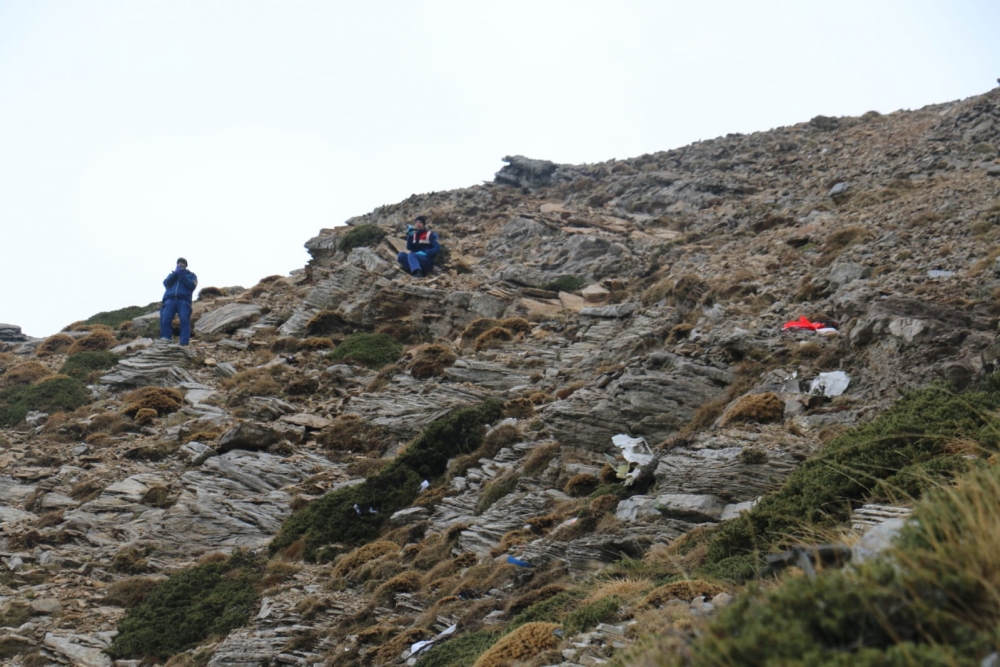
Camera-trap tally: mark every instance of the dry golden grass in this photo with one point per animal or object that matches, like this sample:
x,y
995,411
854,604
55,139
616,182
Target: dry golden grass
x,y
521,645
686,590
97,340
539,457
25,373
163,400
430,361
57,344
363,554
476,328
568,390
764,408
493,338
628,591
405,582
520,408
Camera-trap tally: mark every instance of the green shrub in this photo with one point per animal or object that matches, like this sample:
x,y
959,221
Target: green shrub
x,y
343,515
57,394
899,453
566,284
496,489
371,350
845,617
550,610
361,236
113,318
82,364
589,615
205,601
459,652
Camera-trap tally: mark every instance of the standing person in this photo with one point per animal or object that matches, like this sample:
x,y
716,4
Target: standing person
x,y
422,245
180,286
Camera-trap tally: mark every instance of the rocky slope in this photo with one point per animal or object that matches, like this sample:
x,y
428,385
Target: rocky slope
x,y
643,297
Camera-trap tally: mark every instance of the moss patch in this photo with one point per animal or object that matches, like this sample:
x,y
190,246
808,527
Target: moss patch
x,y
57,394
370,350
205,601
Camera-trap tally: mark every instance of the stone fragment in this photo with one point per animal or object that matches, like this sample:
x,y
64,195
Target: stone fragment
x,y
842,273
197,453
536,310
572,301
307,420
46,606
594,293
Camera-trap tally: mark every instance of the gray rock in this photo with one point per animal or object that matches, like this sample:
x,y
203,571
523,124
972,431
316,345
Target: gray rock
x,y
409,516
162,364
525,172
11,333
838,190
80,650
843,273
227,318
693,507
248,435
197,453
877,540
636,507
613,310
46,606
225,369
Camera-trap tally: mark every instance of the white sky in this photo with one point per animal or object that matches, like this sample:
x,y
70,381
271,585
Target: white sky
x,y
230,132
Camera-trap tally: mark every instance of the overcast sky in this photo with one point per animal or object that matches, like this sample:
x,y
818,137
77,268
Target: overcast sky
x,y
229,132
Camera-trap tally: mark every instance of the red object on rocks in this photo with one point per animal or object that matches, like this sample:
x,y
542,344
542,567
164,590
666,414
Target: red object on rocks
x,y
804,323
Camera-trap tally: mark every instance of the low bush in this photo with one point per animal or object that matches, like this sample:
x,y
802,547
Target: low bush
x,y
566,284
354,515
25,373
362,236
764,408
57,344
459,652
96,341
477,327
521,645
585,617
82,364
191,606
900,453
935,600
161,399
327,322
114,318
431,361
371,350
56,394
350,434
492,338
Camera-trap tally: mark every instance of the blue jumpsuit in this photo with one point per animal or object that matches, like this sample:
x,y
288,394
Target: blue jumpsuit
x,y
177,301
423,246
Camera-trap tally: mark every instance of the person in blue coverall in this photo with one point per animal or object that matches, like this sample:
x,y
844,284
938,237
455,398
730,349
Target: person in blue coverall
x,y
180,286
422,246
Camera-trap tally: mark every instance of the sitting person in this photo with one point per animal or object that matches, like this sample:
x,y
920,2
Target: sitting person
x,y
423,246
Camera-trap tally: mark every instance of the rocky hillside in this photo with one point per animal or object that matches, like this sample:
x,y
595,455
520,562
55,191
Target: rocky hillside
x,y
351,466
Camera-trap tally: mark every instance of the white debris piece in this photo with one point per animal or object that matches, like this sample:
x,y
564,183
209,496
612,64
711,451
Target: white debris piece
x,y
830,384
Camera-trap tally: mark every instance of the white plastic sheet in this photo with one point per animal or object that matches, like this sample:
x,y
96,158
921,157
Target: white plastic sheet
x,y
830,384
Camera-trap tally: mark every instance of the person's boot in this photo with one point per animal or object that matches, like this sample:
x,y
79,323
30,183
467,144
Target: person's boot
x,y
418,274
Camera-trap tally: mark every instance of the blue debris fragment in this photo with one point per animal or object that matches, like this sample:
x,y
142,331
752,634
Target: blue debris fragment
x,y
518,562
